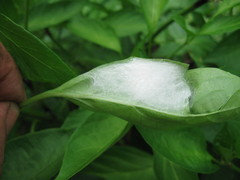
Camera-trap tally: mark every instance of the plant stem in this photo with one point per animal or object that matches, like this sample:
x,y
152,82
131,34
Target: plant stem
x,y
141,44
46,94
33,126
150,37
182,46
48,32
183,12
26,14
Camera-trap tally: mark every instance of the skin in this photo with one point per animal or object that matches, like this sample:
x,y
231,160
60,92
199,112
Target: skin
x,y
11,94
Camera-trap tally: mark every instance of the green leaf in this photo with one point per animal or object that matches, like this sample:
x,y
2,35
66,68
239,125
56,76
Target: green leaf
x,y
152,93
226,5
35,156
152,10
186,148
198,50
129,164
90,141
212,89
36,61
177,33
226,53
232,102
233,127
76,119
9,8
167,170
221,25
95,31
127,23
180,20
46,15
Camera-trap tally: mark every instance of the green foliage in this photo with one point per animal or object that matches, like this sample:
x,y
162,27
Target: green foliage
x,y
41,153
170,119
203,81
221,25
89,141
95,31
166,169
152,10
47,15
37,62
228,50
129,163
174,144
127,23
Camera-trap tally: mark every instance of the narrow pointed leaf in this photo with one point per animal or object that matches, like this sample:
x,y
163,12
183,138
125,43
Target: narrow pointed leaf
x,y
221,25
226,5
127,23
36,61
35,156
46,15
95,31
226,53
152,10
90,141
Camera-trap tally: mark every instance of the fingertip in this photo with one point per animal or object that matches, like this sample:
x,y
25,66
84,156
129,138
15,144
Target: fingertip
x,y
12,116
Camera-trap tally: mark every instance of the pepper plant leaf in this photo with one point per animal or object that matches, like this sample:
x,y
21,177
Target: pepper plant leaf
x,y
166,169
129,164
89,141
226,5
127,23
185,147
36,61
95,31
41,153
47,15
221,24
153,93
224,55
152,10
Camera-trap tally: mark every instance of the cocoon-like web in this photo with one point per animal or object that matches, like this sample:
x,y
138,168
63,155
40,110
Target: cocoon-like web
x,y
155,84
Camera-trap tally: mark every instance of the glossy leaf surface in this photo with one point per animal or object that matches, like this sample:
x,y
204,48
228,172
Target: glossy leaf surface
x,y
212,89
37,156
127,23
152,10
221,25
96,32
46,15
184,147
90,141
76,119
123,162
167,170
35,59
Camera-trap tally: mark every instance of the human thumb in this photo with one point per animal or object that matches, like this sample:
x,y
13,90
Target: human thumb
x,y
9,112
